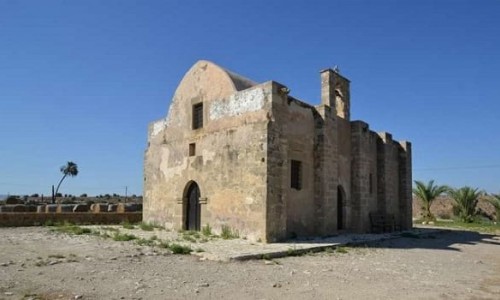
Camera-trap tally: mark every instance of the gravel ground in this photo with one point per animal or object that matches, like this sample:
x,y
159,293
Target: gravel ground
x,y
38,264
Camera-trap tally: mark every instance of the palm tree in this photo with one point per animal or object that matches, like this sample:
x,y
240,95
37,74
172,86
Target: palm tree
x,y
466,199
495,201
70,169
427,193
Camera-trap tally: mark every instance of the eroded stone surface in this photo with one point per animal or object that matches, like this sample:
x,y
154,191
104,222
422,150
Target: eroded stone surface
x,y
240,160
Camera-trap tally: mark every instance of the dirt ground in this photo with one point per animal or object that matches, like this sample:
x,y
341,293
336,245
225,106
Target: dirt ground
x,y
38,264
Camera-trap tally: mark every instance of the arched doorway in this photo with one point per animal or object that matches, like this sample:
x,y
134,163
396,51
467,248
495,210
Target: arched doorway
x,y
340,207
192,207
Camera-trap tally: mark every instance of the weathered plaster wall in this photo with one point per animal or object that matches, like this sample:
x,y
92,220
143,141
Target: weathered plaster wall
x,y
230,162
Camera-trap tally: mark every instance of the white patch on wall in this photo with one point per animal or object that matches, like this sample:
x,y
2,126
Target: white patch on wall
x,y
158,126
249,200
173,118
170,169
208,156
237,104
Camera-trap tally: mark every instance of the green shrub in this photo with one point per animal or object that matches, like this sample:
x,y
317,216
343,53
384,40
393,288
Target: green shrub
x,y
266,256
293,252
189,238
427,193
146,226
341,249
164,245
466,199
13,200
127,225
107,228
124,237
206,230
104,235
329,250
72,229
145,242
180,249
48,223
227,233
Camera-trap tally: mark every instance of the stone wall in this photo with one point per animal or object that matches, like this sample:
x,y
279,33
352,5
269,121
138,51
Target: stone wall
x,y
344,172
405,185
325,170
36,219
394,179
230,160
291,211
241,160
364,175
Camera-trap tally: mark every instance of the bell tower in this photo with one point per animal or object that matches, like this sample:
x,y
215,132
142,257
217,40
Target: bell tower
x,y
335,92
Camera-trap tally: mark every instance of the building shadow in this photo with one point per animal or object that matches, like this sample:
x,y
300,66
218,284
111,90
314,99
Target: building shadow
x,y
444,240
419,238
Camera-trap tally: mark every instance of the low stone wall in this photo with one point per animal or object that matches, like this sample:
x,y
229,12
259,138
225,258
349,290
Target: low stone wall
x,y
17,208
67,208
35,219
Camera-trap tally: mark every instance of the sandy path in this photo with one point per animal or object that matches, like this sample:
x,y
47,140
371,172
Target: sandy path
x,y
455,265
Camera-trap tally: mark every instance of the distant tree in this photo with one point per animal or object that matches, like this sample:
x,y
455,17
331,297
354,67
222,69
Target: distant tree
x,y
107,196
466,199
65,195
59,195
115,195
13,199
427,193
495,201
35,196
83,195
69,169
133,196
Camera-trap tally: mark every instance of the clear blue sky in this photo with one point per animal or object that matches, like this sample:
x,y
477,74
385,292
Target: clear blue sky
x,y
81,80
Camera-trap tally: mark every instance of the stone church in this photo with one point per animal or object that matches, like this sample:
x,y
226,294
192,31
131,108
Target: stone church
x,y
233,152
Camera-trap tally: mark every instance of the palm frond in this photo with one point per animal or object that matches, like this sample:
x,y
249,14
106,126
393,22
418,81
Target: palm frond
x,y
466,199
427,193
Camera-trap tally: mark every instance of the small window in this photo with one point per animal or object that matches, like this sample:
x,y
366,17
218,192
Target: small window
x,y
370,178
192,149
296,176
198,115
